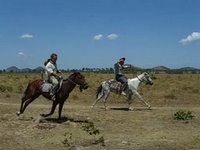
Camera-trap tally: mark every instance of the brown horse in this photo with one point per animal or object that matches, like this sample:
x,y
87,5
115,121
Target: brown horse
x,y
34,90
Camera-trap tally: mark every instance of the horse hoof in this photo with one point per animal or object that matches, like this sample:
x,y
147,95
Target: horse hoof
x,y
18,113
42,115
131,108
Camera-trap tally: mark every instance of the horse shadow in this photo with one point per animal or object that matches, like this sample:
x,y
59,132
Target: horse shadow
x,y
127,109
63,120
55,120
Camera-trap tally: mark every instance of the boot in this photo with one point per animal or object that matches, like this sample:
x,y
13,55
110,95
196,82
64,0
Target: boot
x,y
124,89
123,93
52,93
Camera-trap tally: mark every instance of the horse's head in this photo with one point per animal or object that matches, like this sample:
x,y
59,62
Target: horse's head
x,y
147,79
79,79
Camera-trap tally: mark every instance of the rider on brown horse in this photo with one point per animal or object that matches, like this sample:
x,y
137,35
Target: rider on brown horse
x,y
52,73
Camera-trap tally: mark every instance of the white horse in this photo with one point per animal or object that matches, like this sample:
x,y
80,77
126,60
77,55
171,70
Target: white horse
x,y
106,87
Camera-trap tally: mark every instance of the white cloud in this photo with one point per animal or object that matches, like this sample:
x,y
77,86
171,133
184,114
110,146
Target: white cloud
x,y
21,54
98,37
112,36
26,36
192,37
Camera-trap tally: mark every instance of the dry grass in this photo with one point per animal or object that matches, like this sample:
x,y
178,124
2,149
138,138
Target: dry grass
x,y
117,128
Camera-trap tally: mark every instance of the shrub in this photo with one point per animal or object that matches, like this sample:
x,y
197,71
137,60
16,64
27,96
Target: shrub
x,y
153,77
183,115
20,88
8,95
9,88
90,128
68,140
2,88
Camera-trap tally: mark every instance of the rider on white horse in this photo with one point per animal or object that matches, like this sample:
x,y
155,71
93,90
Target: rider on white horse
x,y
118,67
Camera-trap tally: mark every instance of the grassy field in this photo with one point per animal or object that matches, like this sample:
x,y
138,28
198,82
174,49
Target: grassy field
x,y
116,128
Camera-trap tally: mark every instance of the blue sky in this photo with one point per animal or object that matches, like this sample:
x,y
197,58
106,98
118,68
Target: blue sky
x,y
96,33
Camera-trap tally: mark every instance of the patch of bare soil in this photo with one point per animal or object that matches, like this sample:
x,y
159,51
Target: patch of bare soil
x,y
84,128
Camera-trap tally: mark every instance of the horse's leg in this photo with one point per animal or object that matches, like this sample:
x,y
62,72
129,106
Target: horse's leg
x,y
107,93
98,99
22,103
27,102
60,109
142,99
55,103
130,100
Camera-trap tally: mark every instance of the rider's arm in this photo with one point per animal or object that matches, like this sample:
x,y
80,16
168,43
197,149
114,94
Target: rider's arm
x,y
125,66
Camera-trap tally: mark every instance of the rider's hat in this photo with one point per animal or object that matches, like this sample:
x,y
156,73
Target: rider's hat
x,y
122,59
53,55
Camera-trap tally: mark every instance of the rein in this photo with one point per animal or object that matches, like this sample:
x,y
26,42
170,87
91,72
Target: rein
x,y
139,79
72,81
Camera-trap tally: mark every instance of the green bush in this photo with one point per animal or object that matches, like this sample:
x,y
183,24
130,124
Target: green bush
x,y
2,88
20,88
9,88
90,128
183,115
153,77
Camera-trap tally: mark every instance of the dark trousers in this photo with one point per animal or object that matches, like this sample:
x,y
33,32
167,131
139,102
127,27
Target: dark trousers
x,y
122,79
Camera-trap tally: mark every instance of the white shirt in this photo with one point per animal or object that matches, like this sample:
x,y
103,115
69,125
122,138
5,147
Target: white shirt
x,y
50,68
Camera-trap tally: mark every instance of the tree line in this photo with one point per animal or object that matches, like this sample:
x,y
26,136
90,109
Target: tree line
x,y
110,71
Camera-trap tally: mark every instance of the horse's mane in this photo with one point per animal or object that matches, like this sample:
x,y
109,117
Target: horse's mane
x,y
71,75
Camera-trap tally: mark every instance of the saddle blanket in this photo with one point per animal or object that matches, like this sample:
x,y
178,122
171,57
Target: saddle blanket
x,y
46,87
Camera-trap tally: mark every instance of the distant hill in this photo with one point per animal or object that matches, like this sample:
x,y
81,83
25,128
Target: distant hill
x,y
38,69
189,69
25,70
16,69
12,69
161,68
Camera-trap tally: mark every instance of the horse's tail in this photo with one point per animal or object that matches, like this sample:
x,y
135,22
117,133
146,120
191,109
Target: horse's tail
x,y
32,85
27,88
99,89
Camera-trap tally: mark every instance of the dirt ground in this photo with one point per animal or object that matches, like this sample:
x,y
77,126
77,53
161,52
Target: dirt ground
x,y
84,128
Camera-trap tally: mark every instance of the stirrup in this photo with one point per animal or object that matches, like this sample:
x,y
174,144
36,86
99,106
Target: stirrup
x,y
53,97
123,93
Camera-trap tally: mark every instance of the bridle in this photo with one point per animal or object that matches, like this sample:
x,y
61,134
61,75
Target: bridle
x,y
72,81
139,79
143,80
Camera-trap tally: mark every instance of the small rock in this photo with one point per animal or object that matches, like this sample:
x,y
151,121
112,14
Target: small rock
x,y
124,142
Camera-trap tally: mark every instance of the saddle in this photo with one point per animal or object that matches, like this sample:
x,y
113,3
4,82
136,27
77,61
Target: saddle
x,y
115,86
47,86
